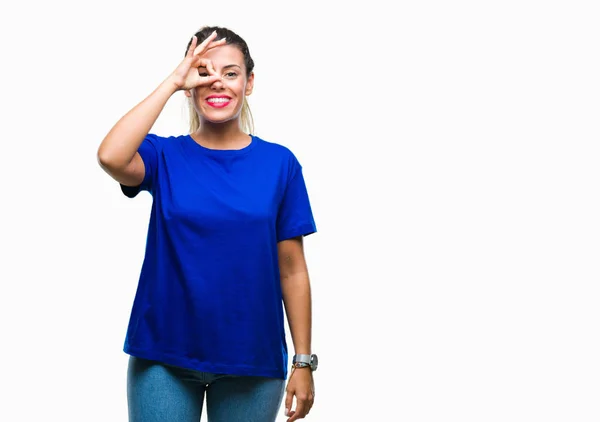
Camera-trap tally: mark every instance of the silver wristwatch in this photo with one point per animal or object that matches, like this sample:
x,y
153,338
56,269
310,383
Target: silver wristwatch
x,y
301,361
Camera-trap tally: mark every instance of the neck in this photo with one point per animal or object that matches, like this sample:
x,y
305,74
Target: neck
x,y
228,135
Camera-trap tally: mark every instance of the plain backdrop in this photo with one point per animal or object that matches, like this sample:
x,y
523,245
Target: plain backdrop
x,y
451,153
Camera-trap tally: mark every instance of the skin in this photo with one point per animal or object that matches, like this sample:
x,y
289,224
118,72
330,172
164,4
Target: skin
x,y
208,69
295,286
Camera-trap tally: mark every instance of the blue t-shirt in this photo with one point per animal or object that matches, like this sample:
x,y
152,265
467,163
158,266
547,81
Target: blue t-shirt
x,y
209,294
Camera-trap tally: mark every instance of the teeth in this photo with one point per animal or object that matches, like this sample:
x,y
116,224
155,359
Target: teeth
x,y
218,100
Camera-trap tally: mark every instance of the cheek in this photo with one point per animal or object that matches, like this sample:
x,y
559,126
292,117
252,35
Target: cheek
x,y
238,87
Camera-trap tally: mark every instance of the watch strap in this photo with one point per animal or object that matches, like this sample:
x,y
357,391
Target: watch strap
x,y
300,358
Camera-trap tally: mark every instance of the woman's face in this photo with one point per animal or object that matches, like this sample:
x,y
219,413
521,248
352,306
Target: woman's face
x,y
222,100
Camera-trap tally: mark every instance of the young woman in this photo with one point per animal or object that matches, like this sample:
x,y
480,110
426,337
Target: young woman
x,y
224,253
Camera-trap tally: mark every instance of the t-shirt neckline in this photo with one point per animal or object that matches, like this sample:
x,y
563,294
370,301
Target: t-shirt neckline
x,y
206,150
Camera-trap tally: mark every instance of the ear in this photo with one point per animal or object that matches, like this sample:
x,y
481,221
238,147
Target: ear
x,y
187,93
250,84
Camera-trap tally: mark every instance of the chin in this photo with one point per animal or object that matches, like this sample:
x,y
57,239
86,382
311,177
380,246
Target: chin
x,y
217,116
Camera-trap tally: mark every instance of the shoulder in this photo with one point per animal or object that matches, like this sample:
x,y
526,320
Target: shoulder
x,y
274,147
281,153
162,143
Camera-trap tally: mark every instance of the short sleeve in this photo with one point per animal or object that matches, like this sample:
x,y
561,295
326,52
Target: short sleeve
x,y
148,150
295,217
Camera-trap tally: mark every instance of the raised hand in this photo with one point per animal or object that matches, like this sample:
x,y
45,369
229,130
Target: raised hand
x,y
186,75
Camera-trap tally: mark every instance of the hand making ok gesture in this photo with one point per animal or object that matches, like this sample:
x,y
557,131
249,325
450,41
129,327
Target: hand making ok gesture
x,y
186,75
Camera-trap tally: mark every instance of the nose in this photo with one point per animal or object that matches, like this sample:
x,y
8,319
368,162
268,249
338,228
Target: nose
x,y
218,84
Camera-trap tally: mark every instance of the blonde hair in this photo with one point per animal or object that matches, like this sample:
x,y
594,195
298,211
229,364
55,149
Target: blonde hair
x,y
246,120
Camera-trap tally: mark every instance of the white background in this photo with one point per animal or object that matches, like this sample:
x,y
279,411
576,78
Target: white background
x,y
451,153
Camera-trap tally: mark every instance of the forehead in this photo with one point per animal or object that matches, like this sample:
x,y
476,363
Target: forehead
x,y
225,55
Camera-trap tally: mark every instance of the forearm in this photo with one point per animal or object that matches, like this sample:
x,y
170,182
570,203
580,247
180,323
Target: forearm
x,y
123,140
297,300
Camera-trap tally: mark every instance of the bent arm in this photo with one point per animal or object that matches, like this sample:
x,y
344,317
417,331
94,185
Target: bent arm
x,y
117,154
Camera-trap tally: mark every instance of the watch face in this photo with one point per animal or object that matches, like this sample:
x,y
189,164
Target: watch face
x,y
314,362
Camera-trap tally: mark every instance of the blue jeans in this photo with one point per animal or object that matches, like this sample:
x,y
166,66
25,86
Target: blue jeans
x,y
163,393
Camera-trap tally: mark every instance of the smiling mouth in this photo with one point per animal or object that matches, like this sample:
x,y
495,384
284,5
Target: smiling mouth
x,y
218,102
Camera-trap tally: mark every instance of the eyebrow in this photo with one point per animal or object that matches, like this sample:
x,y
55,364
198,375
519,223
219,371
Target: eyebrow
x,y
224,67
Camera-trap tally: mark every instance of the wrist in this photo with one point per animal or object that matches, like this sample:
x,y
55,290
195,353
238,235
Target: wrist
x,y
168,86
305,360
299,365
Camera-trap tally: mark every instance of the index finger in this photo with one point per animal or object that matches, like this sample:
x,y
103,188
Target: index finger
x,y
217,43
202,46
300,410
212,45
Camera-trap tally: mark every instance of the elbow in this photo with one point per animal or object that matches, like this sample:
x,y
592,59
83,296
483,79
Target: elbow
x,y
106,160
102,155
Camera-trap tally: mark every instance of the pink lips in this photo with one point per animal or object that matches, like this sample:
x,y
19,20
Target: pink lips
x,y
218,104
